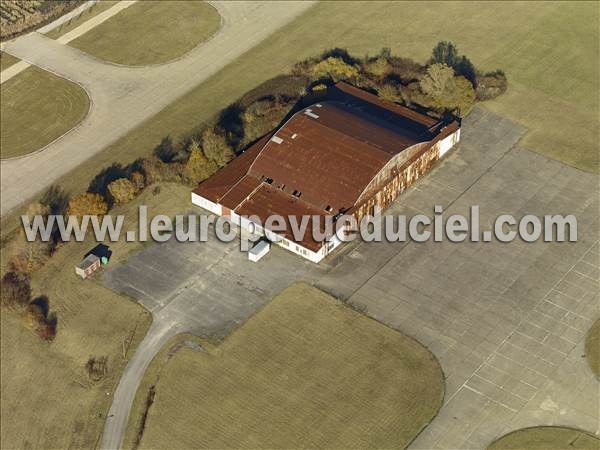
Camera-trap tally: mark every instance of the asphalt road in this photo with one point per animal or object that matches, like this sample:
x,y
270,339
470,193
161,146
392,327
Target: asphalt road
x,y
124,97
158,335
207,289
506,321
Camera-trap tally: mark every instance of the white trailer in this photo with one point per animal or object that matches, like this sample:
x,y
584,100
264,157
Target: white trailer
x,y
259,250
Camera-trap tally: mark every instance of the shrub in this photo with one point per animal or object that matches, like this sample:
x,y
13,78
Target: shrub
x,y
405,70
437,79
122,190
87,203
15,290
334,68
339,53
46,329
490,85
39,320
457,97
172,173
99,185
447,53
390,92
97,368
231,125
156,171
378,67
262,116
385,53
150,168
198,167
29,256
465,68
287,88
165,151
34,316
444,52
56,199
138,180
215,147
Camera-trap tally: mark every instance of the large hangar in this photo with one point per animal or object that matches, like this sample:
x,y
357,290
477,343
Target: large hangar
x,y
344,155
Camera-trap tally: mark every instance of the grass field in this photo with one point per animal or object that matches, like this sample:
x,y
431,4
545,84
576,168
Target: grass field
x,y
151,32
92,11
304,372
592,348
152,374
36,108
47,399
540,46
7,60
546,438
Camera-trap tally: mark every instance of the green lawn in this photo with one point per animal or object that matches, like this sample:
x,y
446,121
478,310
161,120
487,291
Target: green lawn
x,y
546,438
151,32
92,11
592,348
36,108
7,60
304,372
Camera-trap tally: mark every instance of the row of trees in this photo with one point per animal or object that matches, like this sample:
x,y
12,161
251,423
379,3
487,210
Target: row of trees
x,y
447,83
199,155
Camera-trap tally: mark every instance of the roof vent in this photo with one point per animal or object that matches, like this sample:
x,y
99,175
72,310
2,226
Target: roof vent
x,y
277,139
294,136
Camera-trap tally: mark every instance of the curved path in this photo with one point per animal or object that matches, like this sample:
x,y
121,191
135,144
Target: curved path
x,y
116,422
123,97
206,289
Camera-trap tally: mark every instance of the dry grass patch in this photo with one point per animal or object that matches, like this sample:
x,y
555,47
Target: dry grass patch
x,y
546,438
7,60
305,372
48,400
151,32
36,108
592,348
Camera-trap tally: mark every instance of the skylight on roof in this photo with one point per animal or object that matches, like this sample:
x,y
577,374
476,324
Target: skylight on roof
x,y
309,113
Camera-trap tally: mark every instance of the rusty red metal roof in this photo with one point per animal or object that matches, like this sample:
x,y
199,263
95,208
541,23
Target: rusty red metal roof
x,y
320,161
324,165
267,201
240,191
344,92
